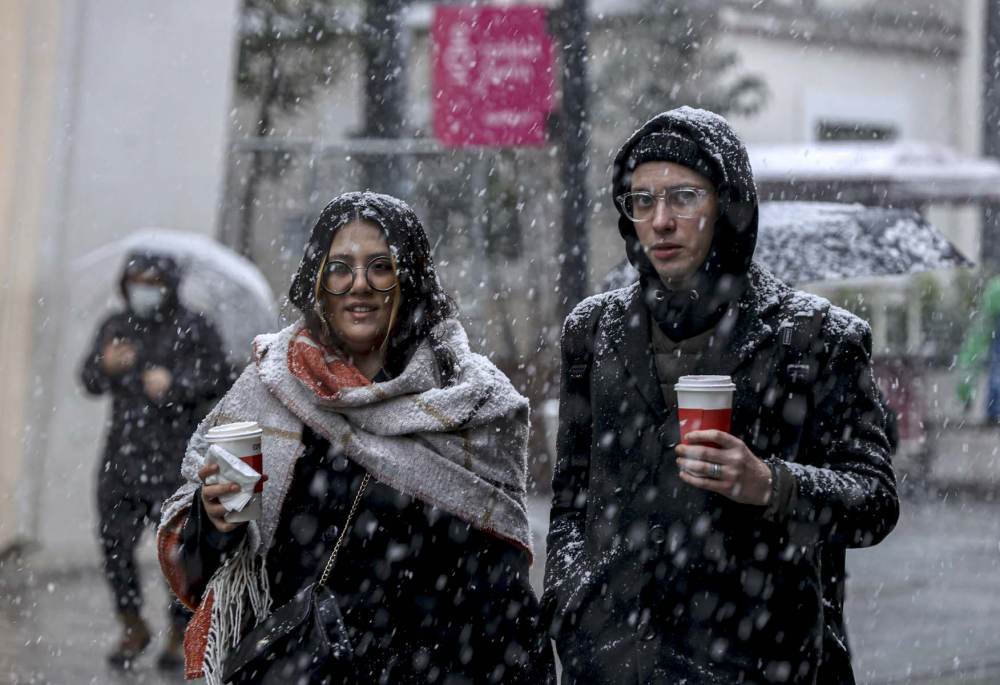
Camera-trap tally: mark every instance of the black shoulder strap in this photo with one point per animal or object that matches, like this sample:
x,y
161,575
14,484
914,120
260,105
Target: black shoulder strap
x,y
801,354
581,356
802,346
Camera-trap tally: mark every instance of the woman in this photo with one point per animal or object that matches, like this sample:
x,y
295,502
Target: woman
x,y
377,378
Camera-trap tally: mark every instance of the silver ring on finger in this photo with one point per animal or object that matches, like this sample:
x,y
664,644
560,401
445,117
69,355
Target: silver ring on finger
x,y
715,472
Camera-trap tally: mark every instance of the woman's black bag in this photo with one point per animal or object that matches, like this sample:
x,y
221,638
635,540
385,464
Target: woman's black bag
x,y
300,642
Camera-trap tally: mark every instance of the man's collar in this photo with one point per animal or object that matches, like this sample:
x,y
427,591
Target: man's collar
x,y
734,342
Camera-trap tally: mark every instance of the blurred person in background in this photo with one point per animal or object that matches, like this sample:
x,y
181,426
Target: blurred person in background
x,y
162,364
981,350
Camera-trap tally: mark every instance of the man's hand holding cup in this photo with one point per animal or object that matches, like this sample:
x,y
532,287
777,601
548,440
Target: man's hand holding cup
x,y
710,457
719,462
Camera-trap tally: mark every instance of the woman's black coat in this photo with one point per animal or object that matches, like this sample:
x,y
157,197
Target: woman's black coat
x,y
426,598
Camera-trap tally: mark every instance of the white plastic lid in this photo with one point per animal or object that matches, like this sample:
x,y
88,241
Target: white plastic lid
x,y
705,383
234,431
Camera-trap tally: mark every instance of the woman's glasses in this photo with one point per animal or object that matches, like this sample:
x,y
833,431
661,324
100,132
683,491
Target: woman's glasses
x,y
338,276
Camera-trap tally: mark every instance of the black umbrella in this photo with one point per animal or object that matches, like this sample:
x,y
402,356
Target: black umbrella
x,y
804,242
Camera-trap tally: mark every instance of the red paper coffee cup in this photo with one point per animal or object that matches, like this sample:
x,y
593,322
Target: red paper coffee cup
x,y
242,440
704,403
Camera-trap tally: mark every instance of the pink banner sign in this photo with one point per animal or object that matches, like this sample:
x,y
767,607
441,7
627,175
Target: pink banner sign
x,y
493,75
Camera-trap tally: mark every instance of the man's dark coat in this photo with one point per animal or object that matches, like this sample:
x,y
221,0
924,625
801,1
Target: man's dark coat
x,y
146,437
651,580
623,561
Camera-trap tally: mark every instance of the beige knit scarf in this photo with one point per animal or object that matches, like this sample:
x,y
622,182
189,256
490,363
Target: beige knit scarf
x,y
461,447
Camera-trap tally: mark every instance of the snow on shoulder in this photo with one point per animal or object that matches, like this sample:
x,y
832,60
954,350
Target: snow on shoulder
x,y
262,343
847,326
768,291
582,312
839,325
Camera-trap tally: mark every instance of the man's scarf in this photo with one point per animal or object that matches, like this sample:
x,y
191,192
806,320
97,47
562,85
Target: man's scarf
x,y
462,448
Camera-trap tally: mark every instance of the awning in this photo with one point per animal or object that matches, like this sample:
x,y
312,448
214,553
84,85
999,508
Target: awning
x,y
904,173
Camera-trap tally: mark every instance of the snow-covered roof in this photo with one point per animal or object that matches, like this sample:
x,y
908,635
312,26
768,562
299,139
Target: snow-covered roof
x,y
908,170
803,242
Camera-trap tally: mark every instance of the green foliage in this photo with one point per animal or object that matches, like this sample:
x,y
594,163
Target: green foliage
x,y
666,55
945,311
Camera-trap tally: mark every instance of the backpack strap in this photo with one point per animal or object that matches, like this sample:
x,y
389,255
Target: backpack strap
x,y
580,355
801,354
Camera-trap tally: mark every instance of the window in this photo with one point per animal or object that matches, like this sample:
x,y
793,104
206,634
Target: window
x,y
835,129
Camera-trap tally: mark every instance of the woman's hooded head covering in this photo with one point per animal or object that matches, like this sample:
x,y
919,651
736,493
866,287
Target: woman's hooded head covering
x,y
705,142
423,302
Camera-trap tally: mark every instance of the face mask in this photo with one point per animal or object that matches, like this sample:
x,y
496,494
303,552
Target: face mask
x,y
145,299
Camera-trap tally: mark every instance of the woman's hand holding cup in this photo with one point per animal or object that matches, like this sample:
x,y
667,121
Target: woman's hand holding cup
x,y
210,495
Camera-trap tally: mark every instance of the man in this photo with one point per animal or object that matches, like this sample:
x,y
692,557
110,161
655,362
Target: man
x,y
721,561
161,363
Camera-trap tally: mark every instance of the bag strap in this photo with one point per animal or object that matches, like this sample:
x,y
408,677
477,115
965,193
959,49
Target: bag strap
x,y
798,365
336,548
582,356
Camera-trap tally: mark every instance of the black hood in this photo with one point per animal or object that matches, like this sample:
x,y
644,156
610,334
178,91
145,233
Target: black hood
x,y
716,152
424,303
736,227
166,266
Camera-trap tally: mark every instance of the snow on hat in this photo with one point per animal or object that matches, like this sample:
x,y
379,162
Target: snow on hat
x,y
674,146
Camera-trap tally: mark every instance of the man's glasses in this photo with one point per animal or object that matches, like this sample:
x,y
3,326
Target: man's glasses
x,y
683,203
338,276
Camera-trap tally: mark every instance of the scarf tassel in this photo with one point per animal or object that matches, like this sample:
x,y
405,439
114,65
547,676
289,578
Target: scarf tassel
x,y
241,582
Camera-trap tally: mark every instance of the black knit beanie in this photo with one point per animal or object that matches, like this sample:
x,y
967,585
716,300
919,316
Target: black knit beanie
x,y
674,146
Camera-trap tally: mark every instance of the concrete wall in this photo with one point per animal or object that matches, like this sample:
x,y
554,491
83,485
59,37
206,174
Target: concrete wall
x,y
137,139
28,63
